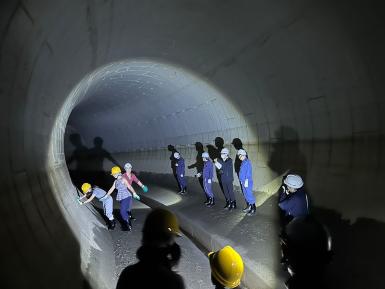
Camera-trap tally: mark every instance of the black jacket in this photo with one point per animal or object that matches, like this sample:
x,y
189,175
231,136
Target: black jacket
x,y
152,271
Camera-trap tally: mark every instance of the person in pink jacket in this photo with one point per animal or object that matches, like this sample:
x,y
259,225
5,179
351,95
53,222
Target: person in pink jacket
x,y
130,177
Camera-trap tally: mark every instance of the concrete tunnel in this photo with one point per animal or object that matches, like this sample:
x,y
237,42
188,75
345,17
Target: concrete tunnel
x,y
299,82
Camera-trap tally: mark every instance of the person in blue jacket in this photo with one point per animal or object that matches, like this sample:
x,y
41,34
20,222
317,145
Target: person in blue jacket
x,y
225,169
108,204
293,200
208,174
180,173
246,179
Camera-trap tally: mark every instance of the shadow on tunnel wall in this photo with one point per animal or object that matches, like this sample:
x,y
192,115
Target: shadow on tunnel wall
x,y
89,163
286,154
358,247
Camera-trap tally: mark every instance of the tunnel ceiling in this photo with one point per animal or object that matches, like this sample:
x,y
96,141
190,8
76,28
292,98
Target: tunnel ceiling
x,y
145,104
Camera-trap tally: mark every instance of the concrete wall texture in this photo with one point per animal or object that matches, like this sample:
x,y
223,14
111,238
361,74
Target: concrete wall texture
x,y
300,82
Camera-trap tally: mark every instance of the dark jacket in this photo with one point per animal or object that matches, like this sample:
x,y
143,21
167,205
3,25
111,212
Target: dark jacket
x,y
226,170
294,204
152,271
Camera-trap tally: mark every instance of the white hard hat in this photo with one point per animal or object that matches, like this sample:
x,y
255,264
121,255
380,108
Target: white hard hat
x,y
241,152
127,166
293,181
205,155
225,151
176,155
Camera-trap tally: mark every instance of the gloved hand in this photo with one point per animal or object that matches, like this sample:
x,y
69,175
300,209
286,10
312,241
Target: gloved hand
x,y
136,197
198,175
181,176
209,181
176,165
246,183
79,201
145,189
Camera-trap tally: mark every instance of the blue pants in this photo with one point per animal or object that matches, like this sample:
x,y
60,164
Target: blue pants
x,y
182,182
208,189
125,207
228,190
108,205
248,193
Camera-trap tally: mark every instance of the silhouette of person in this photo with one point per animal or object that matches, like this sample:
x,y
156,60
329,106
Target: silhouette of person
x,y
81,156
306,251
198,163
219,145
173,161
157,255
97,156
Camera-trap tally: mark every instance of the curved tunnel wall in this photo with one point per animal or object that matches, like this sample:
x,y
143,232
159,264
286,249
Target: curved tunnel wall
x,y
306,75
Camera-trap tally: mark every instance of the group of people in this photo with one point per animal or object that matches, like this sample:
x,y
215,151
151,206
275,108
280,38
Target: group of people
x,y
293,200
159,253
125,194
302,238
218,157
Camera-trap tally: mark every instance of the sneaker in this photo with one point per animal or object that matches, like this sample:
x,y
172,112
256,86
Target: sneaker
x,y
233,205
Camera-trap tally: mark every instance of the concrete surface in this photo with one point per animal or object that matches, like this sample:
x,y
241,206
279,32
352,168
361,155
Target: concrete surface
x,y
300,82
193,266
255,238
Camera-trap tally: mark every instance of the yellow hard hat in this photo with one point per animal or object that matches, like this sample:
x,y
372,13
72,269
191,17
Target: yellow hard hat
x,y
226,266
116,170
86,187
161,221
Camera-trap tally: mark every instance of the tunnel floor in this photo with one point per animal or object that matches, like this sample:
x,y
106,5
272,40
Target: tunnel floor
x,y
193,266
255,238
